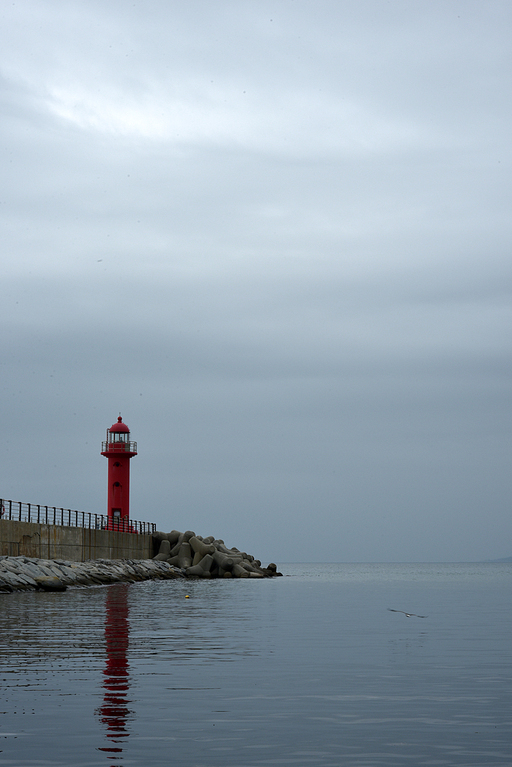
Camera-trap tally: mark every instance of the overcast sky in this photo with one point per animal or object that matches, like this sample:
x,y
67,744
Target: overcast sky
x,y
275,236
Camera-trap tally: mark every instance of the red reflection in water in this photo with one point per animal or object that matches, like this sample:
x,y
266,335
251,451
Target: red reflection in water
x,y
114,712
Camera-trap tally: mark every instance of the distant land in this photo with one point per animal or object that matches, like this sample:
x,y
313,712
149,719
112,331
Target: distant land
x,y
504,559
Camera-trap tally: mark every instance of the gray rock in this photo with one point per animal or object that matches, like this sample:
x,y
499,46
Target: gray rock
x,y
50,583
13,580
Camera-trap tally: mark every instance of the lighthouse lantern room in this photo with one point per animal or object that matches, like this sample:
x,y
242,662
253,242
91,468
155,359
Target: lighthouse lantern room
x,y
118,449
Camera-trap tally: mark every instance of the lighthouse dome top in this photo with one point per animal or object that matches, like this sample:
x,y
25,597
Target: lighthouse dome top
x,y
119,427
118,441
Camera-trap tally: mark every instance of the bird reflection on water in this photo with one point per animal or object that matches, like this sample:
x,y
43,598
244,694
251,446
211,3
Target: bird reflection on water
x,y
114,713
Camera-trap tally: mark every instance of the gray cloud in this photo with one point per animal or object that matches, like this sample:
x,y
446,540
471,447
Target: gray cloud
x,y
276,238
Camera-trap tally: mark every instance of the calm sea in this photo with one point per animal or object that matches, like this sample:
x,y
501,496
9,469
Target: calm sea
x,y
308,669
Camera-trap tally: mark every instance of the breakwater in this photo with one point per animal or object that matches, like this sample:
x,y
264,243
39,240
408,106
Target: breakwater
x,y
208,557
30,573
180,555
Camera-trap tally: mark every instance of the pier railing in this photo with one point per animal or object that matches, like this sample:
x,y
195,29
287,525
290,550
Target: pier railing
x,y
53,515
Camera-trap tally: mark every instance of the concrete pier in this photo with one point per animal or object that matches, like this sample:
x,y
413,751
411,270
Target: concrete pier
x,y
88,556
78,544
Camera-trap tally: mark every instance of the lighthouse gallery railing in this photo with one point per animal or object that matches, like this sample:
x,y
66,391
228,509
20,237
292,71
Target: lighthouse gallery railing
x,y
119,447
53,515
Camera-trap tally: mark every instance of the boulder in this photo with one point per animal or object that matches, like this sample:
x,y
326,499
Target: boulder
x,y
50,583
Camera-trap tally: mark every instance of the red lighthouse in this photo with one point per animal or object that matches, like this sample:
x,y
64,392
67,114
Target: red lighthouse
x,y
118,449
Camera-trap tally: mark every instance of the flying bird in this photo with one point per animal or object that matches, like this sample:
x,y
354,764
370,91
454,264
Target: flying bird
x,y
407,615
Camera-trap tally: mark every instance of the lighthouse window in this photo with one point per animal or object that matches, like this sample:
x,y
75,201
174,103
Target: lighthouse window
x,y
117,484
116,437
117,463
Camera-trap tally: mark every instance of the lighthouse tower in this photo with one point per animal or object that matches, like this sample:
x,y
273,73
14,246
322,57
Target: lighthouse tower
x,y
118,450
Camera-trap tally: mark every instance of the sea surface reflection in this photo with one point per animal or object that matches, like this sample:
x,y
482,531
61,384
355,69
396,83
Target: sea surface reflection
x,y
114,712
309,669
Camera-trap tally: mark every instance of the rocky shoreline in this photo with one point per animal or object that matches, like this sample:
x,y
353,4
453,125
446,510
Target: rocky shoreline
x,y
30,574
180,555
